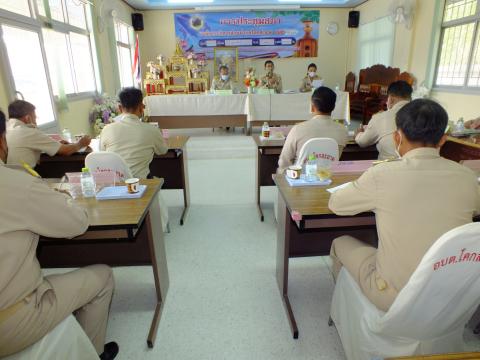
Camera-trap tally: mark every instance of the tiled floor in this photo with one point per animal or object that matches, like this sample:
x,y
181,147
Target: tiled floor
x,y
223,301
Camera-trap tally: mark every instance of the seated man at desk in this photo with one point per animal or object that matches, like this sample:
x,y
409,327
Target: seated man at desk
x,y
416,199
271,80
321,125
135,141
382,125
223,80
26,141
307,81
30,304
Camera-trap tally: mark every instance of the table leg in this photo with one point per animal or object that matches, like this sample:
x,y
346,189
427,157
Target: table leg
x,y
283,253
159,267
186,191
258,182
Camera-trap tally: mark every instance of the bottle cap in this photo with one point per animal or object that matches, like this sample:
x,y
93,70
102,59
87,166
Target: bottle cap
x,y
312,157
85,169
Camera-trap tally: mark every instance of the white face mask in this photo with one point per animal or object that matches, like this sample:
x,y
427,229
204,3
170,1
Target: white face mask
x,y
397,149
224,77
312,74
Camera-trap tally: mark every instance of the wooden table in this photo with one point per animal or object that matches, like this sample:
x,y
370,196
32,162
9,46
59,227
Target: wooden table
x,y
116,226
268,152
307,227
458,149
172,167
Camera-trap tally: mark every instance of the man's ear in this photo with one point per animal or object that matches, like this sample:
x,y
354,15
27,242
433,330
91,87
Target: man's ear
x,y
442,141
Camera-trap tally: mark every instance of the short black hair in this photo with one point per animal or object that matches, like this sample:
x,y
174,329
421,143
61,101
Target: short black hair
x,y
130,97
20,108
312,65
268,62
422,121
223,67
400,89
324,99
3,123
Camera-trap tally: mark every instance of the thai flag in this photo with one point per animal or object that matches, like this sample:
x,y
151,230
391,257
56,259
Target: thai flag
x,y
136,64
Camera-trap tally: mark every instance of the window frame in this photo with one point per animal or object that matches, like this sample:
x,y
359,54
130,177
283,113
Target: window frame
x,y
130,47
40,23
7,69
475,19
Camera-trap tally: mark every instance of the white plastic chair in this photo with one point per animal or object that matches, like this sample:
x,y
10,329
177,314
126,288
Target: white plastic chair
x,y
66,341
430,312
325,149
106,161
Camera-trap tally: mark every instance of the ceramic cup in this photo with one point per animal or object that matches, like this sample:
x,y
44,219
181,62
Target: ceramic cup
x,y
132,185
294,172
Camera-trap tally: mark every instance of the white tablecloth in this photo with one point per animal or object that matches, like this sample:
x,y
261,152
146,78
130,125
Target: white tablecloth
x,y
257,107
286,107
196,105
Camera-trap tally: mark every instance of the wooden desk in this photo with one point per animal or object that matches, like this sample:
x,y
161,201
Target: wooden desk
x,y
115,227
268,152
458,149
307,227
171,166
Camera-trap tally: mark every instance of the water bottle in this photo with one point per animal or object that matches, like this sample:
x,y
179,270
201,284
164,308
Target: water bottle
x,y
67,135
460,126
265,130
88,183
311,168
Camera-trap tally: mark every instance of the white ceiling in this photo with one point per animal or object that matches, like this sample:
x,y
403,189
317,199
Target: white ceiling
x,y
164,4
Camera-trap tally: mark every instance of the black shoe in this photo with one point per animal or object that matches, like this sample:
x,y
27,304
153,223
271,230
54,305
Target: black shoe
x,y
110,350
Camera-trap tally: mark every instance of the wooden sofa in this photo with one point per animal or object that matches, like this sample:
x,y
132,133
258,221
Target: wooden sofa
x,y
371,93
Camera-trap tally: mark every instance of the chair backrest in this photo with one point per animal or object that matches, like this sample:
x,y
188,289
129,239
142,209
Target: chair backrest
x,y
325,150
105,161
350,82
442,293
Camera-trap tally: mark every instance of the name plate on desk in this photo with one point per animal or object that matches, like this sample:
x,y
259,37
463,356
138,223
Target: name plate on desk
x,y
223,92
263,91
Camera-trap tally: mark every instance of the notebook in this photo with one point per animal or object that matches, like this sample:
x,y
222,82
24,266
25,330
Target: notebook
x,y
119,192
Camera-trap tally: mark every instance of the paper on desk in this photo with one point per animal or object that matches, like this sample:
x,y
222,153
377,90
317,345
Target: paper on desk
x,y
336,188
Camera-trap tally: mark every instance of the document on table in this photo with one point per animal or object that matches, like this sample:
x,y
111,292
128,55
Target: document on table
x,y
336,188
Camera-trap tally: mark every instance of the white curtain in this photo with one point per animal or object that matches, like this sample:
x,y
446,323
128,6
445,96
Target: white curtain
x,y
375,43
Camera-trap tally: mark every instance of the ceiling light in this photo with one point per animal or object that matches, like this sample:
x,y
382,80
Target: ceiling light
x,y
246,7
189,1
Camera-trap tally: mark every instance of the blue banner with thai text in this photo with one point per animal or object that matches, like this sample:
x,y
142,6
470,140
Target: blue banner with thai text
x,y
256,34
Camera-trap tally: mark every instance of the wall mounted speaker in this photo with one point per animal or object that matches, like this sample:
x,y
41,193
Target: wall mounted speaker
x,y
353,19
137,21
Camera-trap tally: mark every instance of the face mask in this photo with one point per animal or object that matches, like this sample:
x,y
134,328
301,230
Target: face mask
x,y
397,149
224,77
311,74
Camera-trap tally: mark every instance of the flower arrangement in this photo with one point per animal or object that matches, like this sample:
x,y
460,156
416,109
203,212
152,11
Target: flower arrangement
x,y
250,80
103,112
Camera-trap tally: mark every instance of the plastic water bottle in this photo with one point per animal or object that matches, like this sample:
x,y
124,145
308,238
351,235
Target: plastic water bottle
x,y
88,183
265,130
67,135
460,126
311,168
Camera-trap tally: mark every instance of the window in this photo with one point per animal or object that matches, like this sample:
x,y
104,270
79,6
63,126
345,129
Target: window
x,y
55,37
375,43
459,55
125,44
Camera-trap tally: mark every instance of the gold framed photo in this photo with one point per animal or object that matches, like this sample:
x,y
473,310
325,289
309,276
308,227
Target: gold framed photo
x,y
227,56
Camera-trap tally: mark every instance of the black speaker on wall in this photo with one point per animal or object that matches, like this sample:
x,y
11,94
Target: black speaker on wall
x,y
137,21
353,19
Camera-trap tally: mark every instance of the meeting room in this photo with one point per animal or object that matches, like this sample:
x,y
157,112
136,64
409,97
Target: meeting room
x,y
239,179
